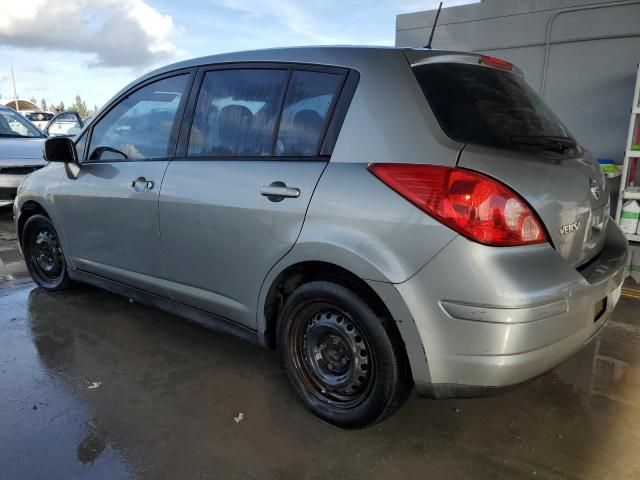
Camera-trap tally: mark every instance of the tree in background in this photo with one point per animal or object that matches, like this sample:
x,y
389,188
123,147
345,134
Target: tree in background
x,y
81,107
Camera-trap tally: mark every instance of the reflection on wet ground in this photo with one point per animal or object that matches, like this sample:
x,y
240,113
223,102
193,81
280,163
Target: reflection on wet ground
x,y
93,386
12,267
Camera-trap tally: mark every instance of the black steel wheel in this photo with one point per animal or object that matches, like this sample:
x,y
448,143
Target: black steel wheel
x,y
344,360
43,253
332,355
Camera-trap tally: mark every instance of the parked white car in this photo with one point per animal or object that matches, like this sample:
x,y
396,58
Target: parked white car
x,y
39,119
64,124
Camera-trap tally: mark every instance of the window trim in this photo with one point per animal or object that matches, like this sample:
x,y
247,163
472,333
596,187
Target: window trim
x,y
86,144
276,124
331,127
175,130
339,112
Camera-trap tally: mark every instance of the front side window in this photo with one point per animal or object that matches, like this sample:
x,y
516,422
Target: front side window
x,y
236,113
12,124
141,126
309,99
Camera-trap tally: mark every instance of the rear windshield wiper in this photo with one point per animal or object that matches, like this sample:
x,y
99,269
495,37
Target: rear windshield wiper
x,y
547,142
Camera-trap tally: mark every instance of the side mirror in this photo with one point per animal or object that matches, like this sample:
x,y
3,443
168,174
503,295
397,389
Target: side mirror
x,y
60,149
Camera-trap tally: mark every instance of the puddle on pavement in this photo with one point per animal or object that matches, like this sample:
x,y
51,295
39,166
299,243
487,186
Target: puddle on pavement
x,y
12,267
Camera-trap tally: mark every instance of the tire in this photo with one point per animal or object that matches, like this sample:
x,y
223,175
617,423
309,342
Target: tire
x,y
343,358
43,255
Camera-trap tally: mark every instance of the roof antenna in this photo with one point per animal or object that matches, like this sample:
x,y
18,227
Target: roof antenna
x,y
433,28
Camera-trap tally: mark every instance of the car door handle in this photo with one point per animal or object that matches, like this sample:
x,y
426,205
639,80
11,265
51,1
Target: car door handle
x,y
278,191
141,184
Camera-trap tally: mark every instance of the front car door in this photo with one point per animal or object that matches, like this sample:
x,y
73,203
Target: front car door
x,y
110,211
234,204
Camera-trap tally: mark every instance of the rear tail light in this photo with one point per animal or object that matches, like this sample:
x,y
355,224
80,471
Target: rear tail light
x,y
496,62
474,205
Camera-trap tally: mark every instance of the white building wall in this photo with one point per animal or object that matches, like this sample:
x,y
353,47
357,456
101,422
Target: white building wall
x,y
580,55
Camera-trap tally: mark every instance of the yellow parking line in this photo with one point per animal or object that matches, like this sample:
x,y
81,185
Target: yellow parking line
x,y
631,293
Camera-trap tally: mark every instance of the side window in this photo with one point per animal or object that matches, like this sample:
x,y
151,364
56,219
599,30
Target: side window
x,y
306,108
80,143
141,125
236,112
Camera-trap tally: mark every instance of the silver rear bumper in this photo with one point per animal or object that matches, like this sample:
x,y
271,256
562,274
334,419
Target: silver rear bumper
x,y
494,317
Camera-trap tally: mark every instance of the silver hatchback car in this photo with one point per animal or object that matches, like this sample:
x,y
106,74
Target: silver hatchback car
x,y
383,217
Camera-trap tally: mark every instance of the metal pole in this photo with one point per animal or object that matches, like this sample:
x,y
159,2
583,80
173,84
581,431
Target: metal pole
x,y
15,95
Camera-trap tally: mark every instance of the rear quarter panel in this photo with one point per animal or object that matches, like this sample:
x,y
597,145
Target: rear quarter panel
x,y
357,222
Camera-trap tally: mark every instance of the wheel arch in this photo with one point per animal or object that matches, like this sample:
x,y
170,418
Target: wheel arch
x,y
381,295
292,276
296,268
27,210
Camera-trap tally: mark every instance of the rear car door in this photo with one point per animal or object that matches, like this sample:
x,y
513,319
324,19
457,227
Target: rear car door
x,y
234,204
110,211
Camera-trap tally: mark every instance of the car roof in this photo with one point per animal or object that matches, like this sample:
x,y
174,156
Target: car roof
x,y
302,54
347,56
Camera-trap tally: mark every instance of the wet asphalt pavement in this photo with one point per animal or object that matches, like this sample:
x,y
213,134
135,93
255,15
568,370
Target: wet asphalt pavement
x,y
93,386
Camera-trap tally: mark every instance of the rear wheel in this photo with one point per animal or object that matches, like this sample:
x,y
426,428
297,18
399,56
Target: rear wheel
x,y
344,360
43,253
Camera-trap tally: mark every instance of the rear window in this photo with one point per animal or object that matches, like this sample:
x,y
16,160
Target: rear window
x,y
306,107
39,116
487,106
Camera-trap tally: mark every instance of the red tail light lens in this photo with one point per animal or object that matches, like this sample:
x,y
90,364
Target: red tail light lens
x,y
474,205
496,62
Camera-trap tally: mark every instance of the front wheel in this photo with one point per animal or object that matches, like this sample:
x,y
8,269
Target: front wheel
x,y
43,253
344,359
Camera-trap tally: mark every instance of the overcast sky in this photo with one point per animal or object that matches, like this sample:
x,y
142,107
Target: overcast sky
x,y
95,47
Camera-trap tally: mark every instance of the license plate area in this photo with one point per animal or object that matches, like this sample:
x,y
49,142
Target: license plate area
x,y
599,309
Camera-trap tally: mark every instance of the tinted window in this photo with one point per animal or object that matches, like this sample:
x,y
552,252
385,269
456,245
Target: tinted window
x,y
309,99
141,125
236,113
487,106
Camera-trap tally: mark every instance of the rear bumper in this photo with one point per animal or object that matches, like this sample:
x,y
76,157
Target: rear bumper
x,y
490,318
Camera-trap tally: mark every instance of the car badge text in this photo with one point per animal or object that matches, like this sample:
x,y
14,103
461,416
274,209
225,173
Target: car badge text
x,y
570,228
